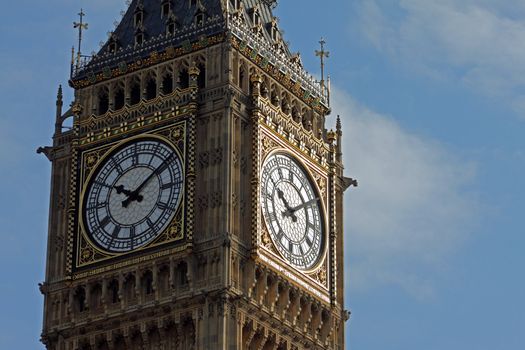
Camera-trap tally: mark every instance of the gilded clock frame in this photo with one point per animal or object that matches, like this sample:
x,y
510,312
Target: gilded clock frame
x,y
87,253
317,279
322,209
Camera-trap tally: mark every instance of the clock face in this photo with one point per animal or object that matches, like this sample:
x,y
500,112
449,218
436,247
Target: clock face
x,y
292,211
133,195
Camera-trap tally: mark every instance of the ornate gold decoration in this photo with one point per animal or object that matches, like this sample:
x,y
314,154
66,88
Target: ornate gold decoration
x,y
153,59
321,182
175,231
176,134
268,145
321,276
91,160
296,135
275,72
266,241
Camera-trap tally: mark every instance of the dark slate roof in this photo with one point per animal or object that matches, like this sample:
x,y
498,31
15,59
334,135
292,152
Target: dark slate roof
x,y
154,28
221,17
267,17
154,25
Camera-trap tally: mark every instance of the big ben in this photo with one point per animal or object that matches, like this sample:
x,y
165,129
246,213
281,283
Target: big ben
x,y
197,200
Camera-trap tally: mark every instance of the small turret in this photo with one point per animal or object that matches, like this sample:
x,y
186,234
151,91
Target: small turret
x,y
339,132
59,104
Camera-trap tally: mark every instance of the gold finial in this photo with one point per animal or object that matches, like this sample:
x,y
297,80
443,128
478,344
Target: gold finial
x,y
81,26
322,54
76,108
332,137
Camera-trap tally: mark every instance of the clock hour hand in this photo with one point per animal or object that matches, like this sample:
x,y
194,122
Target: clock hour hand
x,y
135,195
280,194
131,196
121,190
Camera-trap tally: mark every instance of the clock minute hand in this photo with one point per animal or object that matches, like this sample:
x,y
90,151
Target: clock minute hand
x,y
291,211
305,204
280,194
135,195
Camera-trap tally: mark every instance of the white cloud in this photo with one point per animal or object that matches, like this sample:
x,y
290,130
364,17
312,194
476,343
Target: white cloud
x,y
410,211
478,43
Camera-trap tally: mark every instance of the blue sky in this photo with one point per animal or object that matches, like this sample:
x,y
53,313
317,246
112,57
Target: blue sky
x,y
432,98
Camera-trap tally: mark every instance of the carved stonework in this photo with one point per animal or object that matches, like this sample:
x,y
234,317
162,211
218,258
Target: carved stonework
x,y
268,146
321,275
266,240
204,160
321,182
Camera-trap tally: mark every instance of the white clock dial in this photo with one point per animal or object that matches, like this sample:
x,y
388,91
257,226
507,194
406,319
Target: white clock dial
x,y
292,211
133,195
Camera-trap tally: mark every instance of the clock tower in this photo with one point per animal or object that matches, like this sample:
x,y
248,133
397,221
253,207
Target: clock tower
x,y
196,202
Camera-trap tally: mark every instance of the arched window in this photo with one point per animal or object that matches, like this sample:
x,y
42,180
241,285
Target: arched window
x,y
129,287
139,38
264,90
184,79
103,101
201,80
139,17
165,8
170,27
147,283
134,93
182,274
151,89
119,99
113,46
95,297
164,280
242,78
113,292
274,31
80,299
199,19
235,4
167,84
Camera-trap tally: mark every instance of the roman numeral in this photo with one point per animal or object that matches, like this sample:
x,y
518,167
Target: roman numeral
x,y
101,184
117,166
280,171
116,231
308,241
131,236
170,185
96,206
165,163
135,157
150,224
165,206
114,235
273,217
104,222
313,227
